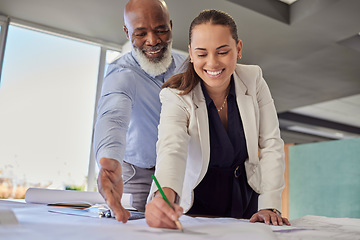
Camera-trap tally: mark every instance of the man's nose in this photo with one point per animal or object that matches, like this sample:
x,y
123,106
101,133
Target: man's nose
x,y
152,39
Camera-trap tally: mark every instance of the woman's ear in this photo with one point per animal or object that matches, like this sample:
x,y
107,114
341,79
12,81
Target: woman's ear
x,y
190,54
239,46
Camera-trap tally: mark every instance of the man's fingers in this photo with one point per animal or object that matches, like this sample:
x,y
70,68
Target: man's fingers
x,y
114,202
122,215
112,190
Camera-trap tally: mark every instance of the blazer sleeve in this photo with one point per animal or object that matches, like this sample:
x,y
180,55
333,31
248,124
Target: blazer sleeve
x,y
271,149
172,144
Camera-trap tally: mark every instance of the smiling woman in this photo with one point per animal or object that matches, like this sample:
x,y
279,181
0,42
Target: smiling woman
x,y
47,98
219,148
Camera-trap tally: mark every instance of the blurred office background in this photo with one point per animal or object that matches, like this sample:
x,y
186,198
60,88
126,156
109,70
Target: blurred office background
x,y
53,56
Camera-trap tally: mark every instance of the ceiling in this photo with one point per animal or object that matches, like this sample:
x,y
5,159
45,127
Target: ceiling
x,y
309,50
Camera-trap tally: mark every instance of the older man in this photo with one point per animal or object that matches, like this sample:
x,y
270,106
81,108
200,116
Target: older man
x,y
129,107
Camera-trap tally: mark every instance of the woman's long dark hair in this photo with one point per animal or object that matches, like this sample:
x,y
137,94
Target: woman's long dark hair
x,y
185,82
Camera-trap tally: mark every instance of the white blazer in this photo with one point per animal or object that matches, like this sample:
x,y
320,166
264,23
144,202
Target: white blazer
x,y
183,147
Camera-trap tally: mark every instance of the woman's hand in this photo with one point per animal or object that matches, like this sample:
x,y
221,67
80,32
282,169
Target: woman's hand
x,y
268,216
159,214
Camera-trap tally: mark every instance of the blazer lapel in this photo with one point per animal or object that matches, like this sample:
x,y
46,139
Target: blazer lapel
x,y
246,108
203,128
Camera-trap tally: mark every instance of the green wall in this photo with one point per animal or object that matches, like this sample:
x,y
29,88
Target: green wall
x,y
325,179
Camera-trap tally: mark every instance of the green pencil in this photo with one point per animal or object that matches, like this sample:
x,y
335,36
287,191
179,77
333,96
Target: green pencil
x,y
177,222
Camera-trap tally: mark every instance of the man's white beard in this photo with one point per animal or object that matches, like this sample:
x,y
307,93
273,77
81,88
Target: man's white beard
x,y
151,67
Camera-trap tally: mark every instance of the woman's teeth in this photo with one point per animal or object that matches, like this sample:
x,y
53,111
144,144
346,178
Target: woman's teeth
x,y
214,73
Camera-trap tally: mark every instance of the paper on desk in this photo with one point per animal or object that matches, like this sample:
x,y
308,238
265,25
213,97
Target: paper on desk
x,y
327,227
232,230
54,196
286,228
200,220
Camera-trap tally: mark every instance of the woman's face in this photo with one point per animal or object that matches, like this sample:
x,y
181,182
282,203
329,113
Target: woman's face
x,y
214,53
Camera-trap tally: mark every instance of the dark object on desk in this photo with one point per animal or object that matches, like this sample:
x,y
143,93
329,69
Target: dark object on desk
x,y
70,205
133,215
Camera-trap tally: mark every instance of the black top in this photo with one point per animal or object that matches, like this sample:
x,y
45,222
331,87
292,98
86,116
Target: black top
x,y
224,191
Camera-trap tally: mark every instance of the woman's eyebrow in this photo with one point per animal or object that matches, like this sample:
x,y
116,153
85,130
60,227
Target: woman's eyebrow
x,y
204,49
222,46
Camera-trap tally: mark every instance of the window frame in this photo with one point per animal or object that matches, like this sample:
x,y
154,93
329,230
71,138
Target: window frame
x,y
4,23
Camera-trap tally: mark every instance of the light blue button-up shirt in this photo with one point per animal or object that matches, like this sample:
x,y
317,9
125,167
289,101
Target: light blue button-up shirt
x,y
129,111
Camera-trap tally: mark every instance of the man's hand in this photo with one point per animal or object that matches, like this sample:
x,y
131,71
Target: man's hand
x,y
159,214
110,185
268,216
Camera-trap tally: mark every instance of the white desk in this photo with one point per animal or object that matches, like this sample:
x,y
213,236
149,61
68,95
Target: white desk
x,y
36,222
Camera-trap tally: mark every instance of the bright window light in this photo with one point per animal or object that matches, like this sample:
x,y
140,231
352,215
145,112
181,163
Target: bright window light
x,y
47,102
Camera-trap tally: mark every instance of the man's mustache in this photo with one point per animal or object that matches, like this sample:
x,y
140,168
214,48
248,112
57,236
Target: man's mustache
x,y
155,48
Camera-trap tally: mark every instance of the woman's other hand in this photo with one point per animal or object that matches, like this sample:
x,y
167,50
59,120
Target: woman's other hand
x,y
268,216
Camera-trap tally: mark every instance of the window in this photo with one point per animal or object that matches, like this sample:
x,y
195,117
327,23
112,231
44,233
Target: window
x,y
47,101
111,56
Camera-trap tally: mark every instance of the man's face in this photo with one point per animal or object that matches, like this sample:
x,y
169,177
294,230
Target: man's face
x,y
149,31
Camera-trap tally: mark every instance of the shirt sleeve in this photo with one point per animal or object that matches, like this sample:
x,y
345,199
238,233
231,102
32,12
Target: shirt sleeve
x,y
113,115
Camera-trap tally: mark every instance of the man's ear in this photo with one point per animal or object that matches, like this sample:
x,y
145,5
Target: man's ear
x,y
126,31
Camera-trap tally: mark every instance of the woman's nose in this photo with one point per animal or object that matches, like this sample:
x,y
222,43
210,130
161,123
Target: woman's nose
x,y
212,60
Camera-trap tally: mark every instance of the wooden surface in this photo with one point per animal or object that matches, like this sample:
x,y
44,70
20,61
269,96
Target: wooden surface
x,y
285,193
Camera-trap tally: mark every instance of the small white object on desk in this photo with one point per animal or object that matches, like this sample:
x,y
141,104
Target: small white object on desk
x,y
7,216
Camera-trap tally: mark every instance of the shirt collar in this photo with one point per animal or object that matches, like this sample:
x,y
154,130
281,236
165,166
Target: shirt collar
x,y
208,100
232,87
